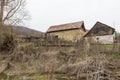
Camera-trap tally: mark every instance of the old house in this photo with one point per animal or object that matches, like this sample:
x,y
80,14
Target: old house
x,y
100,33
70,31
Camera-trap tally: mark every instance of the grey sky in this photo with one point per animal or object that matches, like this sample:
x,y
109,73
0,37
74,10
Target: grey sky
x,y
45,13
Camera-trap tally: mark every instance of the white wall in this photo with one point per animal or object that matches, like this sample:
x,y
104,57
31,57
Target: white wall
x,y
106,39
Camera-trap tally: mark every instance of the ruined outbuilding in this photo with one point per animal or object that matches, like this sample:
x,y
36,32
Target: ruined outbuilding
x,y
100,33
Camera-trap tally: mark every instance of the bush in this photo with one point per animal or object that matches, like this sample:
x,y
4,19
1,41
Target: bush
x,y
8,43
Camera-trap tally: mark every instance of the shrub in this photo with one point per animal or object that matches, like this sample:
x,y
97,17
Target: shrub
x,y
8,43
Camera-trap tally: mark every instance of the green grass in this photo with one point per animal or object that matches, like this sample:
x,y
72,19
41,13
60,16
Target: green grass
x,y
115,52
116,56
37,77
105,46
110,52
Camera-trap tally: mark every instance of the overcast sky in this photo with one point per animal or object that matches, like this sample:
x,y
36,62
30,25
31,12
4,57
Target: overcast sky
x,y
45,13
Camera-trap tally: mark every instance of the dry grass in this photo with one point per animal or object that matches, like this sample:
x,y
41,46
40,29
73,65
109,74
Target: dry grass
x,y
78,60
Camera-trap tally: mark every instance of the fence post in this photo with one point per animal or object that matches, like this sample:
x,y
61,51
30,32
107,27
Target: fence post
x,y
46,42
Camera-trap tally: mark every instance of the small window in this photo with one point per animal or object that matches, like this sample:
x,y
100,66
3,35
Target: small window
x,y
97,38
56,36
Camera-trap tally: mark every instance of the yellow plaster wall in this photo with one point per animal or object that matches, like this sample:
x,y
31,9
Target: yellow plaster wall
x,y
69,35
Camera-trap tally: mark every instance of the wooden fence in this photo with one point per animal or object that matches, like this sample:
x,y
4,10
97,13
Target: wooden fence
x,y
52,41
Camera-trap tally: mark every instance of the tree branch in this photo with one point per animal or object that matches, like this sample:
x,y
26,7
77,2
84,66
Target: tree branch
x,y
13,10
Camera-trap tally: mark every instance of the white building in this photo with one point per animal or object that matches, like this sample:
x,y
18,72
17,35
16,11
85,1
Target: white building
x,y
100,33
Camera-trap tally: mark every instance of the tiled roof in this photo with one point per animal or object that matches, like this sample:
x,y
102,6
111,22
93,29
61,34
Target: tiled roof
x,y
75,25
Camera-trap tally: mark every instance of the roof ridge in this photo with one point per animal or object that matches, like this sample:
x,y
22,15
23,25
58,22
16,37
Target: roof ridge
x,y
69,23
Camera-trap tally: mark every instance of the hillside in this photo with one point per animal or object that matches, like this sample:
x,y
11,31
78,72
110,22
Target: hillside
x,y
20,30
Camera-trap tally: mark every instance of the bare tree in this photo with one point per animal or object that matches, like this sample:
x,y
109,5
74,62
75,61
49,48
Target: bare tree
x,y
12,11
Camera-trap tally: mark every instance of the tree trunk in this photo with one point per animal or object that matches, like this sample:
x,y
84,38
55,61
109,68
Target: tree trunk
x,y
2,11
